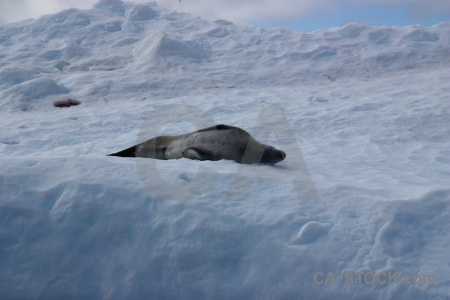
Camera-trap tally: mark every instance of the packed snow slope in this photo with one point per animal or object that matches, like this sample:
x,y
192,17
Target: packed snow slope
x,y
359,209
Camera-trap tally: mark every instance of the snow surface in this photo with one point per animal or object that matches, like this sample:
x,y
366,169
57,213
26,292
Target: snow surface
x,y
362,112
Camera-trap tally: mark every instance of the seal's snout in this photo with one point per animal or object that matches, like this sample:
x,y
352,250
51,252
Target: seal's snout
x,y
281,155
272,155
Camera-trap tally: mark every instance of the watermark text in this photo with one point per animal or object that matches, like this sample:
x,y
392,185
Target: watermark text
x,y
382,278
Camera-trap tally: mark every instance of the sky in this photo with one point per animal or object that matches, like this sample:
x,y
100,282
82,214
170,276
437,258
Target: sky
x,y
299,15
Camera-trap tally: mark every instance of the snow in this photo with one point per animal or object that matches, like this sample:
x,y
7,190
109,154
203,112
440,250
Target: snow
x,y
362,113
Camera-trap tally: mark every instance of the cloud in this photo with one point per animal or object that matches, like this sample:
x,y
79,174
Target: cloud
x,y
240,11
243,11
249,10
16,10
426,9
416,9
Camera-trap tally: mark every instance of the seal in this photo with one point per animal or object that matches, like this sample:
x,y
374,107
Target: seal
x,y
212,143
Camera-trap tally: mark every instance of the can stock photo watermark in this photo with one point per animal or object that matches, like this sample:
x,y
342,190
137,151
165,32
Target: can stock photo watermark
x,y
370,278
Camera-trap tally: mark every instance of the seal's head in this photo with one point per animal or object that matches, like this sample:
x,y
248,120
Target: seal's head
x,y
271,155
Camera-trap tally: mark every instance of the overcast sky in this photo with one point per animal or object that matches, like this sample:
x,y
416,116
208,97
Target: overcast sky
x,y
301,15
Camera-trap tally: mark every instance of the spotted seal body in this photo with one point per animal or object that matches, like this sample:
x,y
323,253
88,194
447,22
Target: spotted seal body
x,y
212,143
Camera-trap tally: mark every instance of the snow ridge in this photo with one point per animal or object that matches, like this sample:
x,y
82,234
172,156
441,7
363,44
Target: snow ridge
x,y
194,54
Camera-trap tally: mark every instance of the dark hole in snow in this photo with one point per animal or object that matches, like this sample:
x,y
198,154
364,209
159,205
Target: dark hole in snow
x,y
66,103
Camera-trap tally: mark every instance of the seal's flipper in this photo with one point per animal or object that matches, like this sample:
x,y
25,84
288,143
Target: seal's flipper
x,y
129,152
195,153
